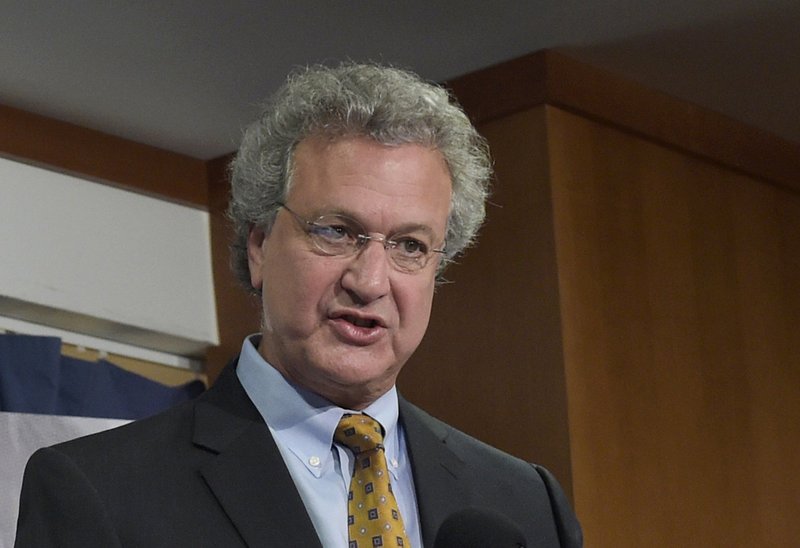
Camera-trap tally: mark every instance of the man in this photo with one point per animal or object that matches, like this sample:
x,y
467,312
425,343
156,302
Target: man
x,y
350,194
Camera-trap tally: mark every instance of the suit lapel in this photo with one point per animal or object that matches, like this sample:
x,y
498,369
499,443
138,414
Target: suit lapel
x,y
248,476
254,488
438,472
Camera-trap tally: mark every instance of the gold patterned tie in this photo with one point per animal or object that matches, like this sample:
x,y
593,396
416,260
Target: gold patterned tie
x,y
373,516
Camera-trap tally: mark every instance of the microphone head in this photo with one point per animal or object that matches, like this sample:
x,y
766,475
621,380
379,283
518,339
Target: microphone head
x,y
479,528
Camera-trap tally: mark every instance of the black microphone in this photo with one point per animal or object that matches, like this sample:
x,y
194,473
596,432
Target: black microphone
x,y
474,528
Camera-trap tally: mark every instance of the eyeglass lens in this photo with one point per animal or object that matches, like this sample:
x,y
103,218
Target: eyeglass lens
x,y
340,235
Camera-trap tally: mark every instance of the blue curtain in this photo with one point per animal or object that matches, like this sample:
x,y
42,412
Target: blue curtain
x,y
36,378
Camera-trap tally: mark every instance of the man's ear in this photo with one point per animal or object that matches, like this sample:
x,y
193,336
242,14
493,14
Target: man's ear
x,y
255,256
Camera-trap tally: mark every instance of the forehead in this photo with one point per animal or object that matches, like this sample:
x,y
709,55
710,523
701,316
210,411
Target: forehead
x,y
373,183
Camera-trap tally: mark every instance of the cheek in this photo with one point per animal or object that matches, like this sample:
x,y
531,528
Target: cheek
x,y
414,306
296,291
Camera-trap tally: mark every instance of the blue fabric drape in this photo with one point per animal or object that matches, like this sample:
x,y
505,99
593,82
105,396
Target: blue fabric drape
x,y
36,378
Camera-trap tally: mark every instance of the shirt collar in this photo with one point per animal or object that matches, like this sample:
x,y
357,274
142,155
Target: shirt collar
x,y
302,421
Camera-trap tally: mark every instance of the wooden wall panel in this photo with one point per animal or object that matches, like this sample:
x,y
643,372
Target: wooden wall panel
x,y
679,300
491,361
554,78
101,157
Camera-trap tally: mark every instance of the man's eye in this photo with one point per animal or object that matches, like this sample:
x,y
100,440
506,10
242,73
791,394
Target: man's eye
x,y
411,247
332,233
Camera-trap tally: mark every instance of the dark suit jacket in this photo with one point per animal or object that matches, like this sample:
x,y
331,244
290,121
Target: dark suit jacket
x,y
208,473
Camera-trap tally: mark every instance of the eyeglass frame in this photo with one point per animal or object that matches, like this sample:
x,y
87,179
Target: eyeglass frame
x,y
361,239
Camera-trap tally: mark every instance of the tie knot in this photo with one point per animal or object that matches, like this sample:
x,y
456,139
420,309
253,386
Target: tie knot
x,y
359,433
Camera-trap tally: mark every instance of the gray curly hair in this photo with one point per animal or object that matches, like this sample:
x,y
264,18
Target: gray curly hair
x,y
389,105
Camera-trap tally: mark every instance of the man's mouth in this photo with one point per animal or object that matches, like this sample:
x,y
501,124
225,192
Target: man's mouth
x,y
360,322
357,329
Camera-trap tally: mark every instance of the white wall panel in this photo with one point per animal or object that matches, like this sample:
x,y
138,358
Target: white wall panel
x,y
103,261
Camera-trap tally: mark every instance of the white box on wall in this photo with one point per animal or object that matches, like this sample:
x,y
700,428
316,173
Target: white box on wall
x,y
106,262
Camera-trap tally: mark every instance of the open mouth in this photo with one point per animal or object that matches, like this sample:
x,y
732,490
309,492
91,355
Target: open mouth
x,y
359,329
360,322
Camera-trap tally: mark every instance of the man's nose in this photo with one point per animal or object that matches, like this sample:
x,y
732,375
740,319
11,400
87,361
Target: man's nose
x,y
367,274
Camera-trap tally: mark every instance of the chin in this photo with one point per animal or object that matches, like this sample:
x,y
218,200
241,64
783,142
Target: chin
x,y
362,373
354,375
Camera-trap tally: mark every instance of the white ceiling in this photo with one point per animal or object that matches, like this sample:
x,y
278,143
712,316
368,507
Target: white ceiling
x,y
187,75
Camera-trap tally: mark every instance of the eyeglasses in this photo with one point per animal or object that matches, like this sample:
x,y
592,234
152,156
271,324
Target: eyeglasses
x,y
342,236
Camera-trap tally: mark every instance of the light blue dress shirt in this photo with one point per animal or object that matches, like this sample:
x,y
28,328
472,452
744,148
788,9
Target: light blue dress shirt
x,y
303,424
